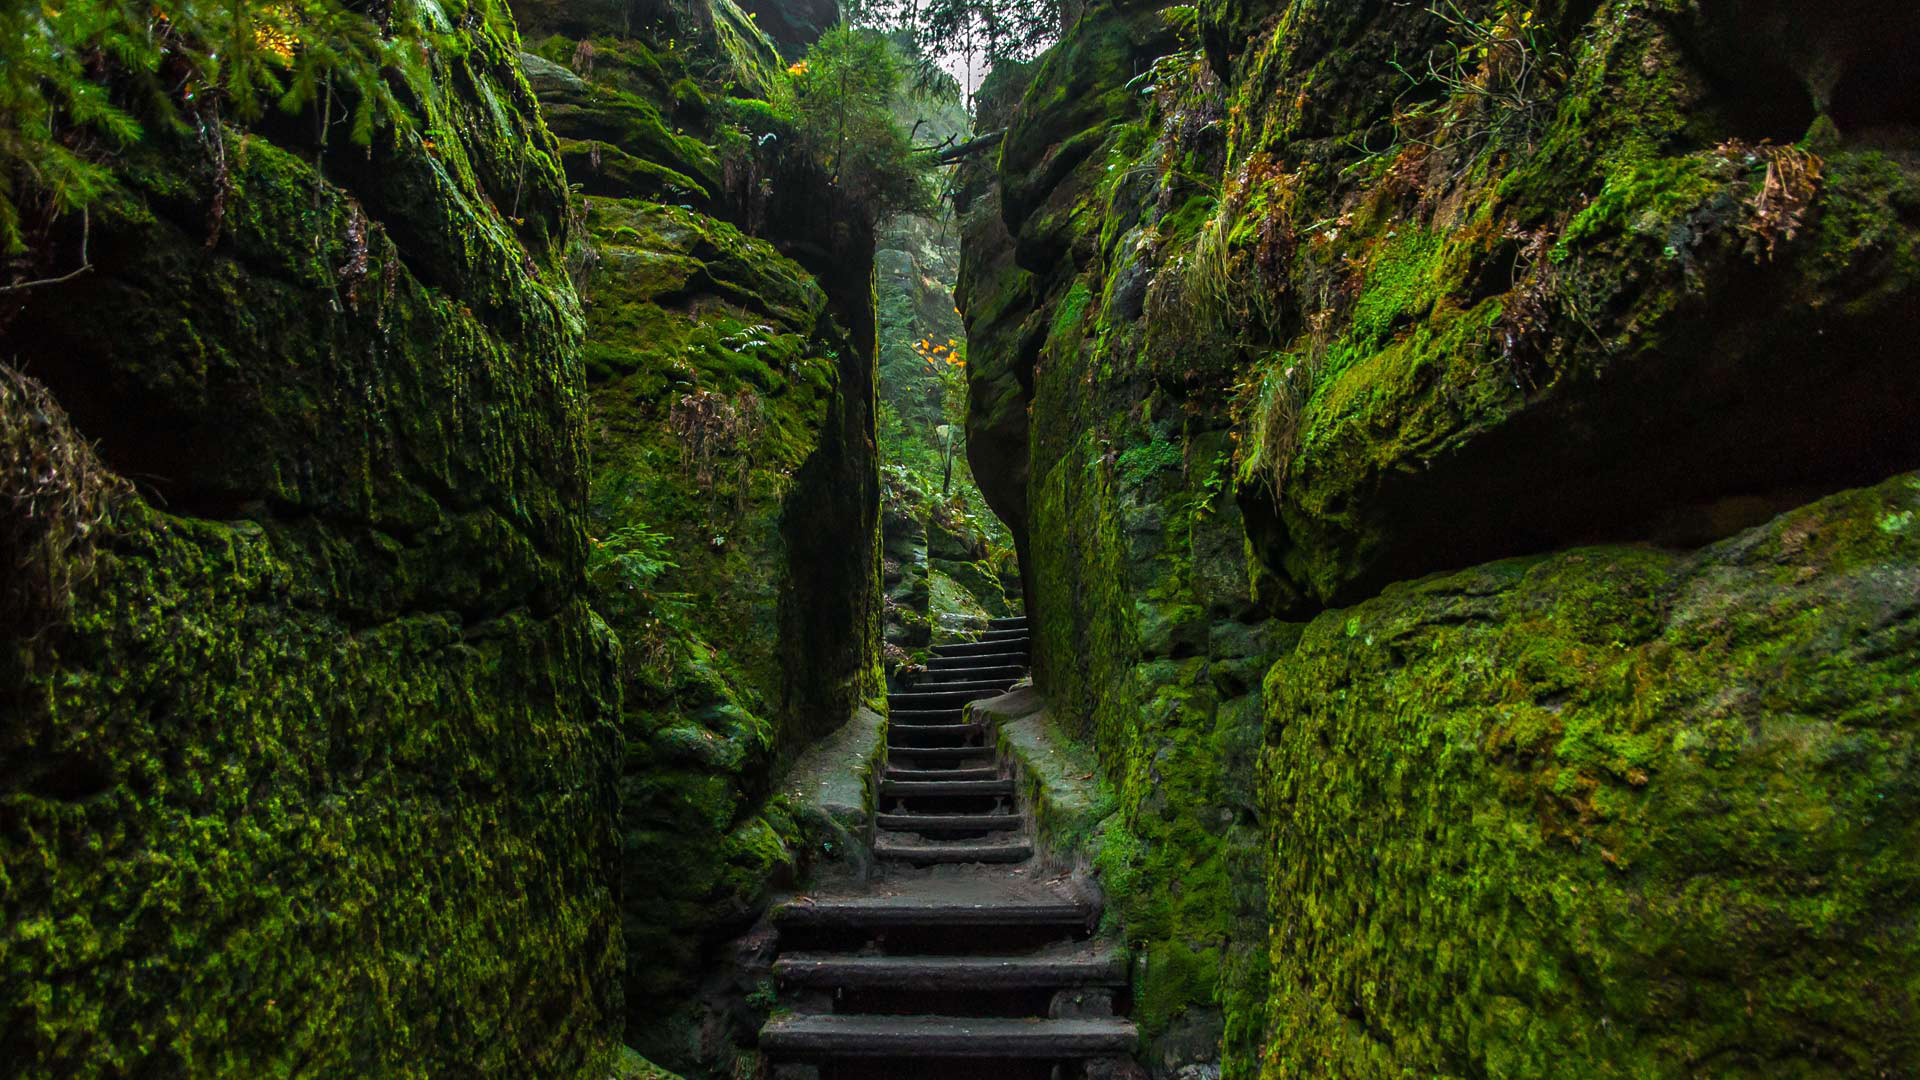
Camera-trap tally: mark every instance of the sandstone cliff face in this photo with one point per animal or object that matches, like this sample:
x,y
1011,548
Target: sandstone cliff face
x,y
1614,810
313,768
1290,302
735,506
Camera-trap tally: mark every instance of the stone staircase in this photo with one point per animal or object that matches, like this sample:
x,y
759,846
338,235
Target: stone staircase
x,y
965,957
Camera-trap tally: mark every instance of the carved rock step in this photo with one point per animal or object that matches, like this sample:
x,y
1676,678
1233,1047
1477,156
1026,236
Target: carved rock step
x,y
921,789
946,1036
929,853
934,699
982,687
910,717
930,735
1072,966
978,660
940,823
924,715
939,753
1006,674
1018,633
983,648
912,776
1011,622
932,910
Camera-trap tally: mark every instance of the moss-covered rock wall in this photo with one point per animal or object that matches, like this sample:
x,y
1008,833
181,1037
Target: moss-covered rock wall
x,y
735,507
1613,811
307,728
1273,305
1115,468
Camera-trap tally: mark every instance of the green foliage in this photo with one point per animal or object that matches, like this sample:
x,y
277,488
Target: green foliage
x,y
913,466
631,1066
748,60
840,97
87,77
623,569
988,32
629,561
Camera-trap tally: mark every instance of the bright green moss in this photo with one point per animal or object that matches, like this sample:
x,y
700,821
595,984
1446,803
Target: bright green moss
x,y
1497,350
720,694
318,772
1645,197
1610,782
1400,285
1139,463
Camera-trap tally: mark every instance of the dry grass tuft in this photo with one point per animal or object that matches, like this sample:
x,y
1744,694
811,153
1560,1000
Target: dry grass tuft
x,y
1793,178
1280,405
1239,291
55,495
712,426
1786,191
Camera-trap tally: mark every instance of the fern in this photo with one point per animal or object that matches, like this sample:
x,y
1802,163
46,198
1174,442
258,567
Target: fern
x,y
627,564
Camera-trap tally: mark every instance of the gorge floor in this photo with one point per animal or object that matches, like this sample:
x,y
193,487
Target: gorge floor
x,y
965,955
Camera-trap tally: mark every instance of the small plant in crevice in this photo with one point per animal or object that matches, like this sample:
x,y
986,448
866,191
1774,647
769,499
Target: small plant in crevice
x,y
624,568
582,254
1329,283
1279,405
1493,80
1236,271
1189,113
763,997
1787,190
710,427
1523,328
1138,464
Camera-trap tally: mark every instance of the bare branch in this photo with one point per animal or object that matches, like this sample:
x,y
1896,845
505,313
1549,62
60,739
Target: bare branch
x,y
86,228
969,148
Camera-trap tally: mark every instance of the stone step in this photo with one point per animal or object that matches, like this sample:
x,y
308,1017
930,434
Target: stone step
x,y
910,717
941,823
1009,634
934,699
932,910
1007,674
939,753
977,660
945,789
983,687
1073,966
982,772
930,734
982,648
1010,622
931,852
946,1036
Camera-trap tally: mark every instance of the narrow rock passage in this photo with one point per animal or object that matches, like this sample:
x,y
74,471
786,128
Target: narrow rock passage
x,y
965,957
